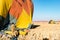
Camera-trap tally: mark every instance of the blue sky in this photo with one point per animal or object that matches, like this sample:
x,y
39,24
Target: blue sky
x,y
44,10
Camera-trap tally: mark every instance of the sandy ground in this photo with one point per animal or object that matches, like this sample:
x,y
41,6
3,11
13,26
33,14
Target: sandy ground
x,y
45,30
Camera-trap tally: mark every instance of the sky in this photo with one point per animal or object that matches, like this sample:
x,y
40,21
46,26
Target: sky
x,y
45,10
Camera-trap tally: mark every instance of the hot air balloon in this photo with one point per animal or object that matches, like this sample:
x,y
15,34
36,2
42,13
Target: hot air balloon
x,y
19,12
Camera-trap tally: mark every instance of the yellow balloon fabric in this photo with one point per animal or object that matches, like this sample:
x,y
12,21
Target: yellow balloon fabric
x,y
24,20
4,7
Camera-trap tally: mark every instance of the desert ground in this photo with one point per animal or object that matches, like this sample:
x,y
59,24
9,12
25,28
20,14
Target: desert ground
x,y
45,31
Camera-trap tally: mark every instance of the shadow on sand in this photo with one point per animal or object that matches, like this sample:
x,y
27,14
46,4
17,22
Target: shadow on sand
x,y
34,26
